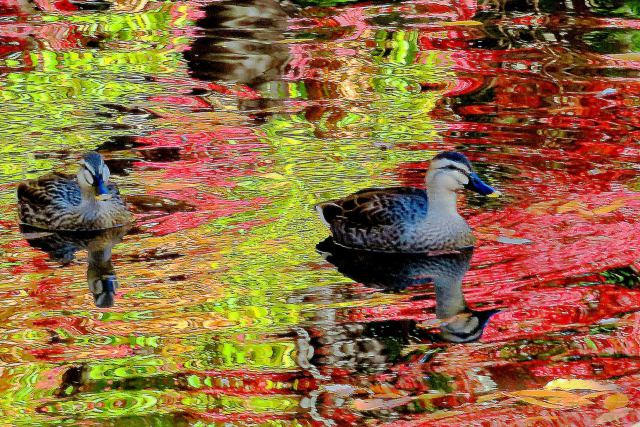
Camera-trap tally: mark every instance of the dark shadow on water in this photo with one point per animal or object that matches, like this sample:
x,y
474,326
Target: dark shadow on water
x,y
241,42
346,340
244,43
401,272
62,248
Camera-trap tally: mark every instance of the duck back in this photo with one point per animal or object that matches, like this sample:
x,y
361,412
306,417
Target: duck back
x,y
376,219
394,219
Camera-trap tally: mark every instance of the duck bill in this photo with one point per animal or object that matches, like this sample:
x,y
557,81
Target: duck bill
x,y
104,291
102,192
480,187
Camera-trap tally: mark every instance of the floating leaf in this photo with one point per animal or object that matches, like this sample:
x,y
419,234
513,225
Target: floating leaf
x,y
576,401
543,393
594,395
576,384
590,343
385,390
376,404
635,56
615,415
570,206
615,401
273,175
551,398
492,396
539,402
617,204
461,23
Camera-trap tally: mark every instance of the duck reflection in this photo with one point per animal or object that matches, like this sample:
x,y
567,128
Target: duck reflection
x,y
397,272
344,340
240,42
62,248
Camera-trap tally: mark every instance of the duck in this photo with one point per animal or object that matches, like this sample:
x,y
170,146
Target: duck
x,y
408,219
87,201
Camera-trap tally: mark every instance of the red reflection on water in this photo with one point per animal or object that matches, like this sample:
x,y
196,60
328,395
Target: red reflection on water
x,y
543,124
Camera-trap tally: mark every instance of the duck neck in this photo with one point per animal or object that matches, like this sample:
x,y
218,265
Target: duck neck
x,y
88,198
449,298
89,207
442,203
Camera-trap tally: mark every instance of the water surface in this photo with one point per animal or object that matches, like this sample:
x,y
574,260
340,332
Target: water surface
x,y
225,122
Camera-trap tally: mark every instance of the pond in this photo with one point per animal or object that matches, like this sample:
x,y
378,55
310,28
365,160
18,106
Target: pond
x,y
225,122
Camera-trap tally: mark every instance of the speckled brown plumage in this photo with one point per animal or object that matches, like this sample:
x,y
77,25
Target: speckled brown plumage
x,y
55,202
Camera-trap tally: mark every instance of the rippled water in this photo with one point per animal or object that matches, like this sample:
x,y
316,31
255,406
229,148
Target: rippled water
x,y
224,122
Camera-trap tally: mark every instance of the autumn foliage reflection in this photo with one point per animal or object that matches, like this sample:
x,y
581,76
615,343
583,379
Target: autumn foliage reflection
x,y
225,312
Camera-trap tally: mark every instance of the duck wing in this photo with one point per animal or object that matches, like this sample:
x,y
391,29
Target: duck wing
x,y
376,207
53,189
49,190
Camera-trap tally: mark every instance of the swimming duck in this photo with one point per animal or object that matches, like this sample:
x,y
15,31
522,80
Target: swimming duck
x,y
407,219
85,202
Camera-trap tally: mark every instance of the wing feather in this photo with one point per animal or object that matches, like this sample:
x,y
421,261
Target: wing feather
x,y
377,207
45,191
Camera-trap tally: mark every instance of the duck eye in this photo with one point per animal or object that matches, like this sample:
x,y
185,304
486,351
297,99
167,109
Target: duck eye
x,y
455,168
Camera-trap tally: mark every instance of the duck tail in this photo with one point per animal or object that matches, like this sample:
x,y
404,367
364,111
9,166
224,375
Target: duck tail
x,y
22,192
32,192
328,211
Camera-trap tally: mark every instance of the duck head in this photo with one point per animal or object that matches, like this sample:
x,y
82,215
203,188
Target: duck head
x,y
93,176
452,171
103,289
465,327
